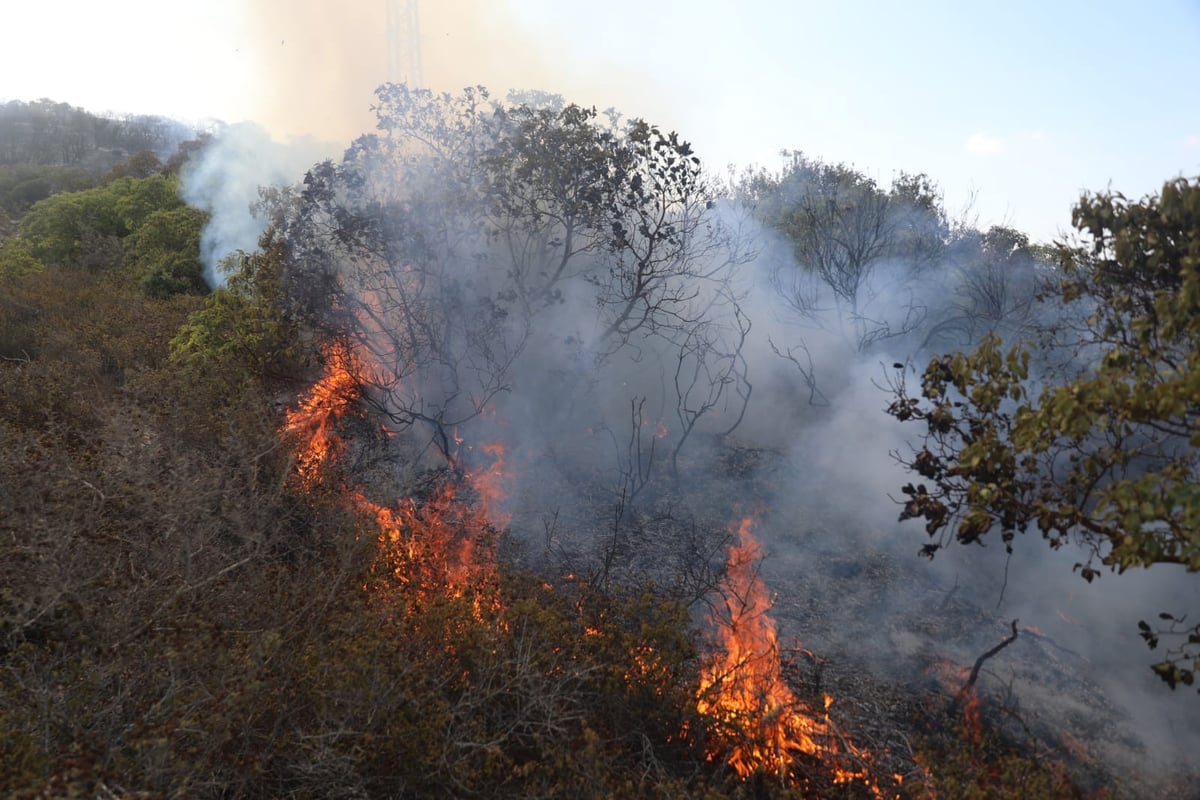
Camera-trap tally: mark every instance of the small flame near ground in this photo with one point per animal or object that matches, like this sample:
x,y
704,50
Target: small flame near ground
x,y
757,723
952,677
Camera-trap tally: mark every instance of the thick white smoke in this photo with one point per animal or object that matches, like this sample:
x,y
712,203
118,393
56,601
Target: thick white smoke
x,y
225,181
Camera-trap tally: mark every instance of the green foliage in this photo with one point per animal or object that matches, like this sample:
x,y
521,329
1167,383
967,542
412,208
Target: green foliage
x,y
135,199
1106,451
16,258
246,327
136,221
22,185
165,251
57,229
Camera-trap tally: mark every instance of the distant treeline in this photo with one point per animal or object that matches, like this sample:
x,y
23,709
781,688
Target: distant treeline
x,y
59,134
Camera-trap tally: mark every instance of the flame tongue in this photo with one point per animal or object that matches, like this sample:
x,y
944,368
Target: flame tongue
x,y
744,690
489,485
758,722
314,419
438,547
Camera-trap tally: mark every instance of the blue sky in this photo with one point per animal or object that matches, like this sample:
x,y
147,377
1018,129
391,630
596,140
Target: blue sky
x,y
1023,104
1026,103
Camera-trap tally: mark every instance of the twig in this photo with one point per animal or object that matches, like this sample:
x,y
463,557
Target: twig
x,y
1004,586
152,618
25,360
979,661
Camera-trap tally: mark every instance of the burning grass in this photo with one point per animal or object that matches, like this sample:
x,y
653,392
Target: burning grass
x,y
757,723
733,709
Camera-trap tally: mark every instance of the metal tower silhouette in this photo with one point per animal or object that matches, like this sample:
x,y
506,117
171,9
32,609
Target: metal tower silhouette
x,y
404,43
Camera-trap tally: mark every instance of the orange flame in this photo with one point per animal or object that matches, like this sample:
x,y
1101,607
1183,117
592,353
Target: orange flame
x,y
759,723
441,547
327,401
489,485
972,715
953,678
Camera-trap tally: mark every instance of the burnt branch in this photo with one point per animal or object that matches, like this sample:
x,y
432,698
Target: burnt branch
x,y
974,676
806,369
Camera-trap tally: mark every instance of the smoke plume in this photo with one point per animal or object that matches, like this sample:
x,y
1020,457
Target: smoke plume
x,y
225,181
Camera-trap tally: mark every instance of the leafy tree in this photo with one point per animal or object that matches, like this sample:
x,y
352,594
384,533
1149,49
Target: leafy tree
x,y
842,226
245,328
55,228
922,228
838,224
165,251
997,274
138,221
1002,283
22,185
16,258
142,164
452,241
1105,450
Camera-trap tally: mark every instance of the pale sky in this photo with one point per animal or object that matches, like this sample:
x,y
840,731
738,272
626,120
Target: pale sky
x,y
1024,102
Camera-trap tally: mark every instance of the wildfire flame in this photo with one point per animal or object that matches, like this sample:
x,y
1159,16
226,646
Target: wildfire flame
x,y
438,547
441,548
314,419
953,678
758,722
489,485
972,715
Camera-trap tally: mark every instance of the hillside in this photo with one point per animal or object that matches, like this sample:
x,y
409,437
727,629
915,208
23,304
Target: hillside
x,y
522,459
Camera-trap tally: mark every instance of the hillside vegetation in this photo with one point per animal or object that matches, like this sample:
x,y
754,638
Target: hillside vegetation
x,y
242,556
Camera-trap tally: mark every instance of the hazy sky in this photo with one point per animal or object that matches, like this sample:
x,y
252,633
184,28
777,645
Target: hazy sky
x,y
1025,102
